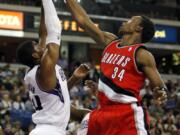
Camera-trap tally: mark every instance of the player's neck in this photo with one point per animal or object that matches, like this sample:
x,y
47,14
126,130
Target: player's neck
x,y
130,40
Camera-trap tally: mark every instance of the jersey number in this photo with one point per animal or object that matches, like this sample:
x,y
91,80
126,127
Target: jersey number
x,y
119,74
37,103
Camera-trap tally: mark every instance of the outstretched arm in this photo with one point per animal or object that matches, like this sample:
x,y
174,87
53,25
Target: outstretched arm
x,y
46,75
147,61
86,23
78,74
42,30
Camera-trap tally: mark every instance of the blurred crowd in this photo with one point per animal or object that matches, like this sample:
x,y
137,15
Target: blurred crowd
x,y
119,8
16,109
164,120
15,106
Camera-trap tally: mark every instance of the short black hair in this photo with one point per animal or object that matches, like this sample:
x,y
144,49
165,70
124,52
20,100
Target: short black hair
x,y
24,54
148,29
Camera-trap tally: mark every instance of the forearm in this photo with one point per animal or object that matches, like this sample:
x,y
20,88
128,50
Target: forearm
x,y
154,78
86,23
148,64
78,114
42,30
47,74
77,12
72,81
52,23
42,27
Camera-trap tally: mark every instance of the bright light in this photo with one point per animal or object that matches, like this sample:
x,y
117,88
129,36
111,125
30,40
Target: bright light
x,y
76,0
11,33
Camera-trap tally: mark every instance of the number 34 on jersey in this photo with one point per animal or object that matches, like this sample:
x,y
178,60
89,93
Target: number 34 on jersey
x,y
118,73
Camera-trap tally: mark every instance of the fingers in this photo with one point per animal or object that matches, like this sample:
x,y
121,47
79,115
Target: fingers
x,y
85,66
91,84
160,102
160,97
81,71
160,93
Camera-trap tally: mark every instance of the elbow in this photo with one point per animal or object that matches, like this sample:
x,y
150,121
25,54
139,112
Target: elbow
x,y
53,49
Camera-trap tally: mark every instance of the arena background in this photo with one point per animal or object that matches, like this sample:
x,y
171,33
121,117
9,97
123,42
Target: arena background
x,y
19,21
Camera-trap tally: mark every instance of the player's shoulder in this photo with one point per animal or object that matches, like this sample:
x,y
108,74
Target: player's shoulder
x,y
143,51
144,56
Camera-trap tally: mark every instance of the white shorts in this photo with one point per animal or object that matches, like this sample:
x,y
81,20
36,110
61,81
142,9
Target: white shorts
x,y
47,130
84,126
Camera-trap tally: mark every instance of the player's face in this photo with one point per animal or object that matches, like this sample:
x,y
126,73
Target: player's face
x,y
131,26
38,51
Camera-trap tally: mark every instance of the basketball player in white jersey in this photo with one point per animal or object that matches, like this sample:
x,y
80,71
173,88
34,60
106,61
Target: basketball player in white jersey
x,y
45,80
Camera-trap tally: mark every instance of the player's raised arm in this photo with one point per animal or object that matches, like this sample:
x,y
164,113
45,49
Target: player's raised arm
x,y
77,75
42,30
148,64
86,23
47,75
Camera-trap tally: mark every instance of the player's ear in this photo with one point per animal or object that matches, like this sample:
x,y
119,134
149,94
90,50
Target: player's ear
x,y
35,55
139,28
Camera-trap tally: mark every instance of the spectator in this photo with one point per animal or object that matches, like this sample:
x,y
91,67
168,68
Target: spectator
x,y
5,104
18,104
164,121
159,8
178,122
6,119
18,130
170,127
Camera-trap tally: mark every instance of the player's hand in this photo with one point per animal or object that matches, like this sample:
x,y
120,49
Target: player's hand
x,y
81,71
160,97
91,84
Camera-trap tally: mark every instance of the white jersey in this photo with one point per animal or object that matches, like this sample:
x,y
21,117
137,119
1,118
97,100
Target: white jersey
x,y
52,108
